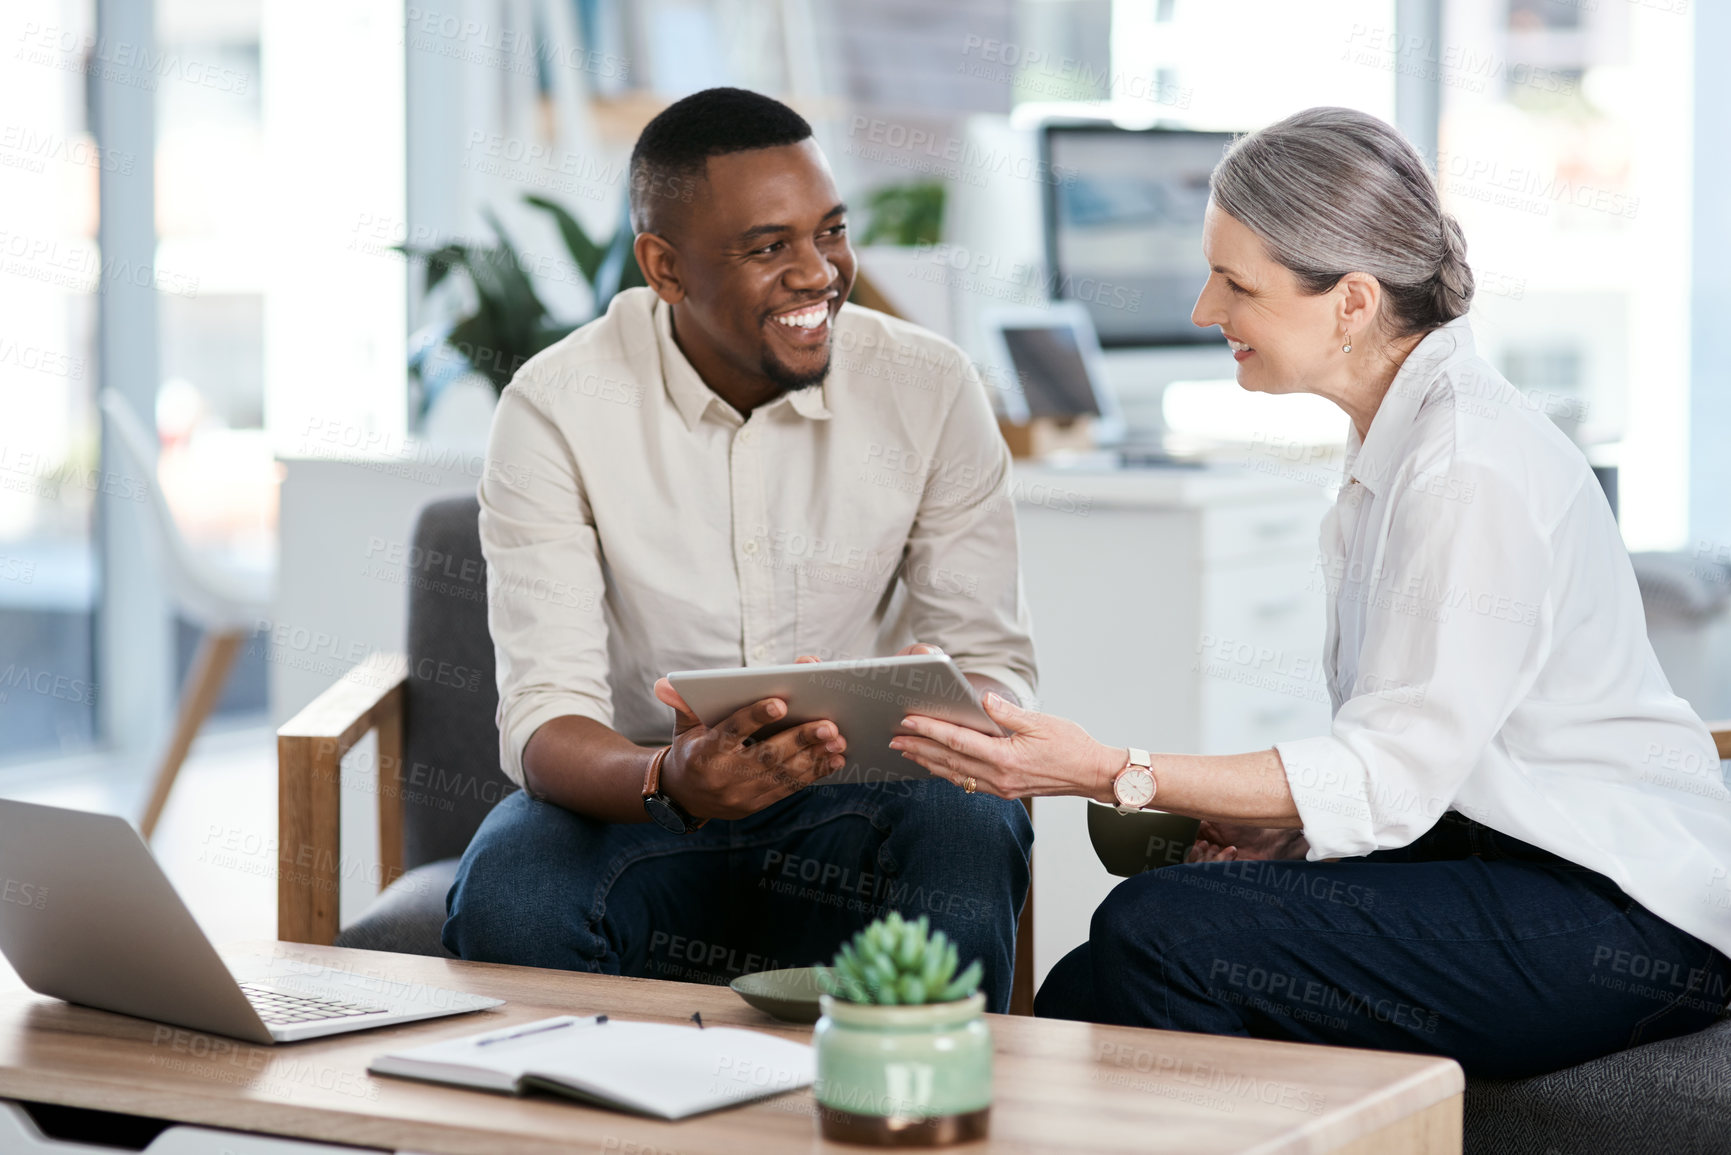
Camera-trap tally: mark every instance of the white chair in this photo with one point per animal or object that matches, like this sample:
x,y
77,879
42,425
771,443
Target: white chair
x,y
226,605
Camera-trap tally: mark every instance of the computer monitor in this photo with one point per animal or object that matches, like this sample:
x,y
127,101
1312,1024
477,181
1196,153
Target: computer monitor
x,y
1045,360
1124,226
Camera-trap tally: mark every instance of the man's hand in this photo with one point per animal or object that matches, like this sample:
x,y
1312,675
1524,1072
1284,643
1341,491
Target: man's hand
x,y
714,773
1229,841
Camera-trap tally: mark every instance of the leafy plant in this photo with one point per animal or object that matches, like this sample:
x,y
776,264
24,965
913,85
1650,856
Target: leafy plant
x,y
897,962
905,214
610,268
509,322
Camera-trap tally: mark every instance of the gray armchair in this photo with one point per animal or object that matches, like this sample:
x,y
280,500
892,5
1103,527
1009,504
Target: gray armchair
x,y
1669,1098
439,771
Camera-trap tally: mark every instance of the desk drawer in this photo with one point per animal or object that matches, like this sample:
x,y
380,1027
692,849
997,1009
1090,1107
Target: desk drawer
x,y
1235,532
1258,658
1281,605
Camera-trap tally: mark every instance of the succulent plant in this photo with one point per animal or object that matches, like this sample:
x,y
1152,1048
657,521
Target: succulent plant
x,y
897,962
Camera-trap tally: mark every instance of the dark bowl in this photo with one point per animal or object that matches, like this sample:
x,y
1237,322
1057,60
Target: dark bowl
x,y
1128,844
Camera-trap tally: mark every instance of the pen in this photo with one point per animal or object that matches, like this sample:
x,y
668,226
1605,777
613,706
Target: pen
x,y
536,1030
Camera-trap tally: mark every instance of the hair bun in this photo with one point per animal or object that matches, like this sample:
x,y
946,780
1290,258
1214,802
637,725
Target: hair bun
x,y
1452,286
1332,191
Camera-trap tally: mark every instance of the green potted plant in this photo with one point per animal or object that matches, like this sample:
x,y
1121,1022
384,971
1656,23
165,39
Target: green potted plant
x,y
905,214
506,322
904,1058
901,263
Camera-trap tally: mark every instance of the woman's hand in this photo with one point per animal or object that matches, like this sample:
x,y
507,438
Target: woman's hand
x,y
1043,755
1227,841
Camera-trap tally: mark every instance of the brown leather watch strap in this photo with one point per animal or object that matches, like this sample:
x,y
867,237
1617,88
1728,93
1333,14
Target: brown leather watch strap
x,y
652,786
652,780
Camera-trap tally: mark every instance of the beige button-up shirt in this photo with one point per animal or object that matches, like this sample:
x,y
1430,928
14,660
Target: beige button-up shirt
x,y
634,523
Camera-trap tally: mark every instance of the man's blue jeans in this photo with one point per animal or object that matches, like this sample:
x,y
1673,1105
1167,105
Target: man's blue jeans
x,y
542,886
1468,943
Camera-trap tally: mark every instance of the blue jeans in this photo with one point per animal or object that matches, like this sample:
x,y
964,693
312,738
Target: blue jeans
x,y
542,886
1468,943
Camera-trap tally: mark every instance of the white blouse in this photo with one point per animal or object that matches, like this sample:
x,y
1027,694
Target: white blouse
x,y
1487,653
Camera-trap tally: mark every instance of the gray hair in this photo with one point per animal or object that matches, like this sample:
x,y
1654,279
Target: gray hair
x,y
1332,191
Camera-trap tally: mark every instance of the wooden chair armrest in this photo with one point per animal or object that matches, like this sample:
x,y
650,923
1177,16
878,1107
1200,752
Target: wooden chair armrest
x,y
309,754
1722,736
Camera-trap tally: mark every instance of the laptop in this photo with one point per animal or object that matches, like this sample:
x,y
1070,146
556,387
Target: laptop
x,y
87,915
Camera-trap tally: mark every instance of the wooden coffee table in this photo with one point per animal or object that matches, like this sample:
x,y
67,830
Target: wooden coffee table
x,y
1059,1086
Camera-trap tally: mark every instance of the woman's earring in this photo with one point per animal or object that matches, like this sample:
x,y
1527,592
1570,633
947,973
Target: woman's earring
x,y
1347,348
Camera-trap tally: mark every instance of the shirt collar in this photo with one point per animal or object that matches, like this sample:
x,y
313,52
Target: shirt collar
x,y
1372,462
812,401
684,387
693,398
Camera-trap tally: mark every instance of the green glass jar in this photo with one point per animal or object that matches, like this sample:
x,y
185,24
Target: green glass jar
x,y
903,1076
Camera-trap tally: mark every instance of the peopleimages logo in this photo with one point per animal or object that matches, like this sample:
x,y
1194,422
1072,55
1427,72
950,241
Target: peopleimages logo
x,y
123,62
979,272
15,678
1041,73
521,50
1526,187
883,139
81,268
35,149
24,894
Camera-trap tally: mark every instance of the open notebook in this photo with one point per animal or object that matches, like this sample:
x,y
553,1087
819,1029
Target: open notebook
x,y
651,1068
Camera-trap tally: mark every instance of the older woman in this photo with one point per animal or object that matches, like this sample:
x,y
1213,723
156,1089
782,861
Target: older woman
x,y
1516,840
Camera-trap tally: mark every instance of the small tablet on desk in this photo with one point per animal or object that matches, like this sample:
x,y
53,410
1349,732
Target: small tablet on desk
x,y
866,699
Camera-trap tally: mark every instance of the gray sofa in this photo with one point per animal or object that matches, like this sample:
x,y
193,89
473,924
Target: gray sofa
x,y
1669,1098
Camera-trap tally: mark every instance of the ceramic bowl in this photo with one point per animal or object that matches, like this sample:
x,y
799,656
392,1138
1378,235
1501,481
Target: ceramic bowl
x,y
789,995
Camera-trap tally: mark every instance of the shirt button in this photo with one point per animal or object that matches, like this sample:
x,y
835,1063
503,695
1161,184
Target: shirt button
x,y
745,435
759,652
750,548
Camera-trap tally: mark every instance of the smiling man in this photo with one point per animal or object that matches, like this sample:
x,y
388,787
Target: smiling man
x,y
733,467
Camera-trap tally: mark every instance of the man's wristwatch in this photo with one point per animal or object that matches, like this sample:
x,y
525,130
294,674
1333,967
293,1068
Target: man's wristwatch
x,y
1134,785
665,812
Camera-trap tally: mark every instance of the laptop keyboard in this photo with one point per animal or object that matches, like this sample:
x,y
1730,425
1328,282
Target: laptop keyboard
x,y
280,1008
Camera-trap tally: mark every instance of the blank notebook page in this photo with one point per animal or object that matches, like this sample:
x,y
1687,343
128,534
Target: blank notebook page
x,y
658,1068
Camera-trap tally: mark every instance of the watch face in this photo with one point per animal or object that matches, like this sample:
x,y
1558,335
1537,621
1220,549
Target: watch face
x,y
1134,787
661,810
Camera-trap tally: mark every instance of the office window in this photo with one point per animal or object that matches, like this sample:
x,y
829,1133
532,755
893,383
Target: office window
x,y
1564,150
49,478
1239,66
213,228
1063,51
1236,68
331,80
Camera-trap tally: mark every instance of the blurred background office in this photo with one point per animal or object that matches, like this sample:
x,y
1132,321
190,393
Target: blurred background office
x,y
221,215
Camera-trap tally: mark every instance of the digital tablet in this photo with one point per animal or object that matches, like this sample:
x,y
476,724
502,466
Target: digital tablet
x,y
866,699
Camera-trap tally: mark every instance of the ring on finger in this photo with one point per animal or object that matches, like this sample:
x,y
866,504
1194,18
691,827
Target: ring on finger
x,y
969,785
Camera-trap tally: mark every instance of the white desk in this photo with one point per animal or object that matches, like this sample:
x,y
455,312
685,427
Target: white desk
x,y
1177,610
